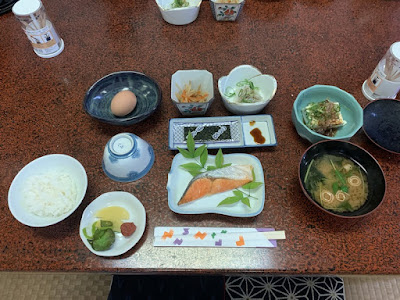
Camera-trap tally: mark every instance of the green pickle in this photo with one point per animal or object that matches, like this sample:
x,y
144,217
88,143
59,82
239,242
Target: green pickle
x,y
103,237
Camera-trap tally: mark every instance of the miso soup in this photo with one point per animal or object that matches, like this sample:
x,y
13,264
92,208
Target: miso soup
x,y
337,183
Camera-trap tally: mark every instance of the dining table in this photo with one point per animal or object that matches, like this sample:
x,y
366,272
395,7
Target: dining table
x,y
300,42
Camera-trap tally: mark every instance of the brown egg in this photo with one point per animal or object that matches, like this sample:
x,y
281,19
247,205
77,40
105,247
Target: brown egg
x,y
123,103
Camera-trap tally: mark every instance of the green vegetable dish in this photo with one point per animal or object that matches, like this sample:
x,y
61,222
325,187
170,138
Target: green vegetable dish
x,y
179,3
103,237
337,183
323,117
244,92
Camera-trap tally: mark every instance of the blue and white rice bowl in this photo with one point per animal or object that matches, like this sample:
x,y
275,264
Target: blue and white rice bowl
x,y
127,157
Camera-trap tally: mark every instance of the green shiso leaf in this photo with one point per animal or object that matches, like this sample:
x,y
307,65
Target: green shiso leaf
x,y
204,156
251,185
194,173
191,167
246,201
229,200
199,151
190,144
185,153
219,159
238,193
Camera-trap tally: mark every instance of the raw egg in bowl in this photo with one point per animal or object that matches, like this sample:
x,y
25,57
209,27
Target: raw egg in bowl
x,y
122,98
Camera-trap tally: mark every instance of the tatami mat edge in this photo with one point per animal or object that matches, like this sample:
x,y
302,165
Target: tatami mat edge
x,y
21,286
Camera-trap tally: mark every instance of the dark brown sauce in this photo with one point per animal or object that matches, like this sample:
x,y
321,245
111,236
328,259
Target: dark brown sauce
x,y
257,135
252,123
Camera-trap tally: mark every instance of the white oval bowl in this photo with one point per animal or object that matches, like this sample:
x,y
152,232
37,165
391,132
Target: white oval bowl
x,y
47,163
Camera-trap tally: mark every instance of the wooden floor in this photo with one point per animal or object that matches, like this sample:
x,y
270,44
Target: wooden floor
x,y
96,286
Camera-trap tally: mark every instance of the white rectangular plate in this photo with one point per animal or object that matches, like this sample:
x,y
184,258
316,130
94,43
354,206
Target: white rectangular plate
x,y
178,180
223,132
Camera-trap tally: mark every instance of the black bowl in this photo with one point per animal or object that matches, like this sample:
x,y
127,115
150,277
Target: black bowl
x,y
382,124
375,177
97,102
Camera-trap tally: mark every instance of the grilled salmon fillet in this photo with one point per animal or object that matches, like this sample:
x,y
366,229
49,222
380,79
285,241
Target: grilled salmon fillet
x,y
217,181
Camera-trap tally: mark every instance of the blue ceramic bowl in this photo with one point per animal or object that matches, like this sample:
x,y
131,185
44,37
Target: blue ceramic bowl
x,y
375,176
382,123
351,111
127,157
97,102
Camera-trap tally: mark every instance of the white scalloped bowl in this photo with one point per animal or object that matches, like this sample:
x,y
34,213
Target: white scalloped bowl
x,y
267,85
179,16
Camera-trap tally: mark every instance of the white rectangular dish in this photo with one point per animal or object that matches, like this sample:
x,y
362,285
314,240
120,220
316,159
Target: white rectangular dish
x,y
178,180
223,132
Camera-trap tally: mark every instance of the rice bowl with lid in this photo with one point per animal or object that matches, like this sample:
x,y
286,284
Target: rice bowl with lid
x,y
47,190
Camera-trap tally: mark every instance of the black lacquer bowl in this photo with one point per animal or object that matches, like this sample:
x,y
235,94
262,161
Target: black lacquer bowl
x,y
97,102
375,177
382,123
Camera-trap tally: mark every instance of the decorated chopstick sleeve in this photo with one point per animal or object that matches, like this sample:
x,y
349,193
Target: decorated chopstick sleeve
x,y
217,237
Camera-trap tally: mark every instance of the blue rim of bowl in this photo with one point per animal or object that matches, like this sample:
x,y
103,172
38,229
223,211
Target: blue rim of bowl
x,y
124,120
305,192
333,138
369,137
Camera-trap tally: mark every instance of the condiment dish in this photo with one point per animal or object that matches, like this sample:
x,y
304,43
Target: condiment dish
x,y
127,157
97,102
382,124
374,174
137,215
349,107
47,165
181,15
201,80
267,85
